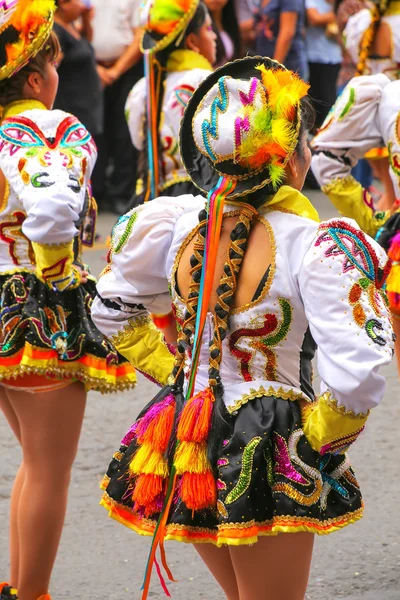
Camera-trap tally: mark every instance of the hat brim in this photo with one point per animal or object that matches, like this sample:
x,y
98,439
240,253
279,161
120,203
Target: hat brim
x,y
152,42
200,169
30,51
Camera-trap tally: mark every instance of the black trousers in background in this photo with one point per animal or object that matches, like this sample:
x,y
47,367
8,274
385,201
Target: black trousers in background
x,y
323,78
114,177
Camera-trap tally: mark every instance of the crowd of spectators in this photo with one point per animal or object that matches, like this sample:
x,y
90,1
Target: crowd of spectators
x,y
101,62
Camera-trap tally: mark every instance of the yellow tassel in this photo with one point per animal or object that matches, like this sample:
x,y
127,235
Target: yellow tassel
x,y
191,457
149,461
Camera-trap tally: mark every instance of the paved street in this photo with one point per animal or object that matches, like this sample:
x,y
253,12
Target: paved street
x,y
101,560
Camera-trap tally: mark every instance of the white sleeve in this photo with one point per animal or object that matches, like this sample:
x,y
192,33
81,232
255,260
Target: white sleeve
x,y
389,124
47,158
135,112
136,279
350,129
135,283
341,286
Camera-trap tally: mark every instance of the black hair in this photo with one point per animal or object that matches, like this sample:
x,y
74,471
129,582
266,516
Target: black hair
x,y
194,26
11,89
368,38
230,25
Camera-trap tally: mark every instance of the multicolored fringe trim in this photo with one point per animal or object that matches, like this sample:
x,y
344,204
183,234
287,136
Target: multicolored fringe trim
x,y
227,533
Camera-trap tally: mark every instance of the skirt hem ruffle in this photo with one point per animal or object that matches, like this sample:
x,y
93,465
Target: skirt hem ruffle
x,y
104,384
230,534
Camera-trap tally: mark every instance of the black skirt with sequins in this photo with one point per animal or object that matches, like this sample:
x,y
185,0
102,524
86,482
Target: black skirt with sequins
x,y
268,480
49,333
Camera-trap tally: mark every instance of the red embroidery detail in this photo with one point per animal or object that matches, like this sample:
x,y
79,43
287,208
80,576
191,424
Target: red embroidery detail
x,y
15,230
55,270
245,356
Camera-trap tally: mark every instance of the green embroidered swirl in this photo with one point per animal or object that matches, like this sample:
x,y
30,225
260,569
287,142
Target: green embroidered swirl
x,y
246,472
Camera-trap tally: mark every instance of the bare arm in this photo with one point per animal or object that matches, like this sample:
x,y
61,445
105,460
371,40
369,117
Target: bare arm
x,y
317,19
287,30
129,58
87,27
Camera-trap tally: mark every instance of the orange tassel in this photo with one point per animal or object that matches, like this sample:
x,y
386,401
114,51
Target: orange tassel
x,y
158,432
195,419
147,488
199,490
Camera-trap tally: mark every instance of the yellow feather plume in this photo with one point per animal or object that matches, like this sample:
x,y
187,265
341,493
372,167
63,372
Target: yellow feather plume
x,y
283,133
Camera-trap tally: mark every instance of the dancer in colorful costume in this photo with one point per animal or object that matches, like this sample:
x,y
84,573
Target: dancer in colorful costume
x,y
236,447
179,45
51,353
366,115
372,39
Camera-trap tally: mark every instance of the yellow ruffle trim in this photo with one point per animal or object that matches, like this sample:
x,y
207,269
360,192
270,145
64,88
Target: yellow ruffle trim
x,y
91,370
231,534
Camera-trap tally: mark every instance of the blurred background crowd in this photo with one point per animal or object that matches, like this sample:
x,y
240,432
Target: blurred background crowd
x,y
101,61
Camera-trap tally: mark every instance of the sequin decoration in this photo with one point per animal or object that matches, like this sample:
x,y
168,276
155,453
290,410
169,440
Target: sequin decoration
x,y
270,464
283,465
262,340
351,243
131,220
371,326
210,127
359,290
246,471
222,509
331,480
314,474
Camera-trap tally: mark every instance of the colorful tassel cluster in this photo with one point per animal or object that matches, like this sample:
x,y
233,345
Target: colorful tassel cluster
x,y
393,280
273,126
198,487
149,465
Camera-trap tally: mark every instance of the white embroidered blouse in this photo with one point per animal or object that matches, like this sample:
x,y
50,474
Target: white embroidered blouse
x,y
324,285
47,158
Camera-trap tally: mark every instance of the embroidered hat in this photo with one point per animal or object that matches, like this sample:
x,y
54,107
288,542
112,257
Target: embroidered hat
x,y
25,26
242,123
165,21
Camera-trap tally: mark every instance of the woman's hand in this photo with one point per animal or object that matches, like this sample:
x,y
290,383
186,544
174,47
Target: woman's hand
x,y
83,273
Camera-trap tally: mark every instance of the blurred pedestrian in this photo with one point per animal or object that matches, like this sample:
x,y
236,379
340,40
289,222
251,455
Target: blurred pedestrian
x,y
79,90
324,56
116,41
281,33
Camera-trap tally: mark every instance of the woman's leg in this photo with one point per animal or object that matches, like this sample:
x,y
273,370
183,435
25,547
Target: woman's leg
x,y
219,562
261,570
50,428
12,419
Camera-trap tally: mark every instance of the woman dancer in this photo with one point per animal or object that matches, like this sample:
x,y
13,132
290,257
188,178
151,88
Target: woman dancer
x,y
237,448
372,39
180,48
365,116
51,353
